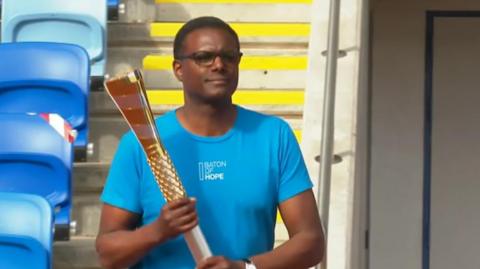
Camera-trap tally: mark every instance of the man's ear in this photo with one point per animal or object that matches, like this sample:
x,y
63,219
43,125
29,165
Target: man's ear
x,y
177,70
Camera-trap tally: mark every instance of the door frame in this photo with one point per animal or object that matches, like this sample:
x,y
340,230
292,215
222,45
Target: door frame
x,y
428,117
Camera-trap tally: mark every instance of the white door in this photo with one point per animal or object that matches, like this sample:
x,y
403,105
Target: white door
x,y
455,144
424,206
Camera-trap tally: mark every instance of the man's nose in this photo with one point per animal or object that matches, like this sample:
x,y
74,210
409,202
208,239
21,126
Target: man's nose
x,y
218,62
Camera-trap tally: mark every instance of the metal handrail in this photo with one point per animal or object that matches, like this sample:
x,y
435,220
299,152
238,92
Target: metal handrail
x,y
328,119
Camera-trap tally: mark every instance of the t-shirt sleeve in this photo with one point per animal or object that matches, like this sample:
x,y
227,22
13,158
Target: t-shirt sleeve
x,y
294,177
122,187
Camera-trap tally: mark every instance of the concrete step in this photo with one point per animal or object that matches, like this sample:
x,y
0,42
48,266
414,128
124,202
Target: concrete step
x,y
88,183
249,79
107,125
232,11
279,69
282,65
106,131
248,32
162,100
280,33
78,253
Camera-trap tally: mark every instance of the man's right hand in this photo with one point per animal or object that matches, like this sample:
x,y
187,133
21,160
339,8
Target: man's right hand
x,y
177,217
120,244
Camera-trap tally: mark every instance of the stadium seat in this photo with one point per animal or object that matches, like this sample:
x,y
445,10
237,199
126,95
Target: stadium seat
x,y
77,22
46,78
25,231
112,9
36,159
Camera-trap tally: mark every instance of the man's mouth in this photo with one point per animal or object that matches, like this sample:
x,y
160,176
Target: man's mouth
x,y
217,80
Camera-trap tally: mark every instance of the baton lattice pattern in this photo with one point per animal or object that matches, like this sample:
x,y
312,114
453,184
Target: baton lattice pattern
x,y
165,173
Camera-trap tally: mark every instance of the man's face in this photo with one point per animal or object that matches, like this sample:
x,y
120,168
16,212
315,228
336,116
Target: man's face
x,y
208,66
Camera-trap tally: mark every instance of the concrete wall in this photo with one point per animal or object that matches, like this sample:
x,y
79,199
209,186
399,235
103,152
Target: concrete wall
x,y
340,230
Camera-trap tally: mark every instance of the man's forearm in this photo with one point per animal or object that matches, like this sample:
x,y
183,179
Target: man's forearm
x,y
121,249
301,251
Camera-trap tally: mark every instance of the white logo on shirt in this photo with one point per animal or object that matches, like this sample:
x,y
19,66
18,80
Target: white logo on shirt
x,y
213,170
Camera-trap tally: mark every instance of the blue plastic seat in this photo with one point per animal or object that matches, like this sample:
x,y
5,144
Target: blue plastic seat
x,y
112,9
46,78
36,159
25,231
77,22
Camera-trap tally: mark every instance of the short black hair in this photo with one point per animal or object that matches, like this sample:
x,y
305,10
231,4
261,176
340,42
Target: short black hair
x,y
199,23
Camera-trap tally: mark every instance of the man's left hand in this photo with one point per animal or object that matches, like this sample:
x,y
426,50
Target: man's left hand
x,y
220,262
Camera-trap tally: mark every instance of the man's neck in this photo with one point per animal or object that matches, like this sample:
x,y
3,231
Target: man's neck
x,y
207,120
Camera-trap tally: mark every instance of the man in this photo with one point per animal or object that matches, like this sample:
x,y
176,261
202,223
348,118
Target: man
x,y
238,164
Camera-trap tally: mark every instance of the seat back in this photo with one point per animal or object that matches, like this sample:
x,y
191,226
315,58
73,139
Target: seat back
x,y
22,252
36,159
46,77
113,6
77,22
25,231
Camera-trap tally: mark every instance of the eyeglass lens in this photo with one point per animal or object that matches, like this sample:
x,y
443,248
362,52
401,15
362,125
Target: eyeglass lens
x,y
207,57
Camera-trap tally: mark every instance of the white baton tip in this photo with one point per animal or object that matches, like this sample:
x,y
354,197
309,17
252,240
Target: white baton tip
x,y
131,77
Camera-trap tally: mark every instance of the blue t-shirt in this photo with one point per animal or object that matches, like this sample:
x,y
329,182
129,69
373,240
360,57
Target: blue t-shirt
x,y
238,178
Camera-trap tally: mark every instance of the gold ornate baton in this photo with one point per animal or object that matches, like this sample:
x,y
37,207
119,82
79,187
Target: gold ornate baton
x,y
129,95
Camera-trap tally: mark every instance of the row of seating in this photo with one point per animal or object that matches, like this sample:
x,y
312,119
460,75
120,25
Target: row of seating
x,y
25,231
36,157
35,187
113,9
76,22
51,50
46,77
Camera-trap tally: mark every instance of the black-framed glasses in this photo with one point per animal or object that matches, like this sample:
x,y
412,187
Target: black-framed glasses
x,y
207,58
